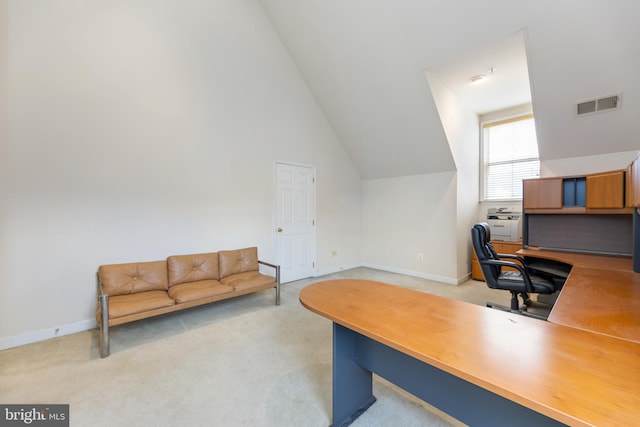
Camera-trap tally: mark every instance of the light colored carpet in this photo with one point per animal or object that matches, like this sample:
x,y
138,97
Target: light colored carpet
x,y
242,362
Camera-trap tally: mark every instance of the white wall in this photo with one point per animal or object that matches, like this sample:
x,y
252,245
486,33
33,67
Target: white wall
x,y
429,214
461,126
4,106
144,129
405,216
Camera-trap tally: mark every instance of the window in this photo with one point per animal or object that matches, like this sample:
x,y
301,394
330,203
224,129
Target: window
x,y
509,155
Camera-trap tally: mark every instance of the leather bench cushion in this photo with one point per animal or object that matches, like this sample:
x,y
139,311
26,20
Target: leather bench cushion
x,y
248,280
192,268
238,261
123,305
133,278
191,291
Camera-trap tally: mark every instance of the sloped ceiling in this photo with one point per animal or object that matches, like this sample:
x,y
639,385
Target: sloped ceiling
x,y
364,61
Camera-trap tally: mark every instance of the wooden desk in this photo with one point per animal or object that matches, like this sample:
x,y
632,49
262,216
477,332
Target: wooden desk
x,y
482,366
601,294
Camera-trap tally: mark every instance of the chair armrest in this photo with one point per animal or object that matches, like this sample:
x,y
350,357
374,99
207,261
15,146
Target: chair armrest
x,y
103,301
275,266
525,276
100,288
511,256
268,264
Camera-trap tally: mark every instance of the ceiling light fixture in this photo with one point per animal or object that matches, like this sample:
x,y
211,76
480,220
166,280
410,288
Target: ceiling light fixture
x,y
478,79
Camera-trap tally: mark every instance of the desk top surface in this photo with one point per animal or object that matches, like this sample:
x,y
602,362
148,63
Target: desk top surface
x,y
571,375
601,294
582,259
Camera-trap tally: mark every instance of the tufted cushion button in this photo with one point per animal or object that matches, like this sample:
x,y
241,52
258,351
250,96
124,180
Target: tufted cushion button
x,y
135,277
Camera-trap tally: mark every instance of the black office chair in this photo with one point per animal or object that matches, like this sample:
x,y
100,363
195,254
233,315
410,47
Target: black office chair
x,y
520,283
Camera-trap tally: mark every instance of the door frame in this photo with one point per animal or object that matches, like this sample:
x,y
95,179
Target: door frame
x,y
275,210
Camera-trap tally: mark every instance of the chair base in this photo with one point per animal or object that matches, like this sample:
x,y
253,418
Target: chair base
x,y
521,311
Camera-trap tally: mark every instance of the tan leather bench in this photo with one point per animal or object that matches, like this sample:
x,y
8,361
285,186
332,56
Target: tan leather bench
x,y
135,291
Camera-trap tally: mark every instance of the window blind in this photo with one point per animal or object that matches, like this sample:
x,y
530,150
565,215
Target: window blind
x,y
510,154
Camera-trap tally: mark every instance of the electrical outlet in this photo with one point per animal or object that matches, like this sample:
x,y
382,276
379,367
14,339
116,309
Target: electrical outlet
x,y
420,256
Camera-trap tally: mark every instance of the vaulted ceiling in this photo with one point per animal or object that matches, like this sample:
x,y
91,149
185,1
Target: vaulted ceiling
x,y
365,62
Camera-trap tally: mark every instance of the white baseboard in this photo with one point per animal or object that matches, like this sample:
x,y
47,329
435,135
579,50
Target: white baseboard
x,y
337,270
46,334
435,278
464,278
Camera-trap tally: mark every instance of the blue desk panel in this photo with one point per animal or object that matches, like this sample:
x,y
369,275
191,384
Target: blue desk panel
x,y
356,357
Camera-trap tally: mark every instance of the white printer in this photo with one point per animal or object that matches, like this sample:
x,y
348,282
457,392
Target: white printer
x,y
505,224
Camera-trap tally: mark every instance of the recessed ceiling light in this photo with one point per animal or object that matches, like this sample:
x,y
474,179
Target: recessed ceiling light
x,y
477,79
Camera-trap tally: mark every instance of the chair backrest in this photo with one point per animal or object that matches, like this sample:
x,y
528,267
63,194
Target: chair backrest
x,y
481,239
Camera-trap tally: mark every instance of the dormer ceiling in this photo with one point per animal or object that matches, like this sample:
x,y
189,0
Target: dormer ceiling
x,y
365,61
500,68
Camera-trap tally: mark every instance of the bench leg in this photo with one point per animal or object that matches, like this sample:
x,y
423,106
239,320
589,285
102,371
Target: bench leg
x,y
104,326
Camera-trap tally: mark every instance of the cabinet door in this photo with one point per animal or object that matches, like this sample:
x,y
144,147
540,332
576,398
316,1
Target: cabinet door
x,y
605,190
476,270
635,177
629,199
542,193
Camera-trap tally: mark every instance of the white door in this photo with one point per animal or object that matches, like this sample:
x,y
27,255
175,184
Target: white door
x,y
296,228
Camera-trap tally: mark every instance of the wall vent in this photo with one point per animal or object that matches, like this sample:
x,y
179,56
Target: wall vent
x,y
598,105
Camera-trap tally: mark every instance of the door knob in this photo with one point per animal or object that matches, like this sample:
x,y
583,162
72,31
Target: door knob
x,y
279,230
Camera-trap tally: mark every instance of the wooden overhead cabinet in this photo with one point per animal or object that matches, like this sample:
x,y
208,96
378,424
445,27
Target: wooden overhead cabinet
x,y
606,190
542,193
629,198
635,181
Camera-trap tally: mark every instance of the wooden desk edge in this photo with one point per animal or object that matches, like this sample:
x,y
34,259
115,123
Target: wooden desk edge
x,y
527,401
580,259
577,311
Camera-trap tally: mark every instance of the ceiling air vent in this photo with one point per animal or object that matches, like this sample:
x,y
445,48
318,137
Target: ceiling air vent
x,y
605,103
586,107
